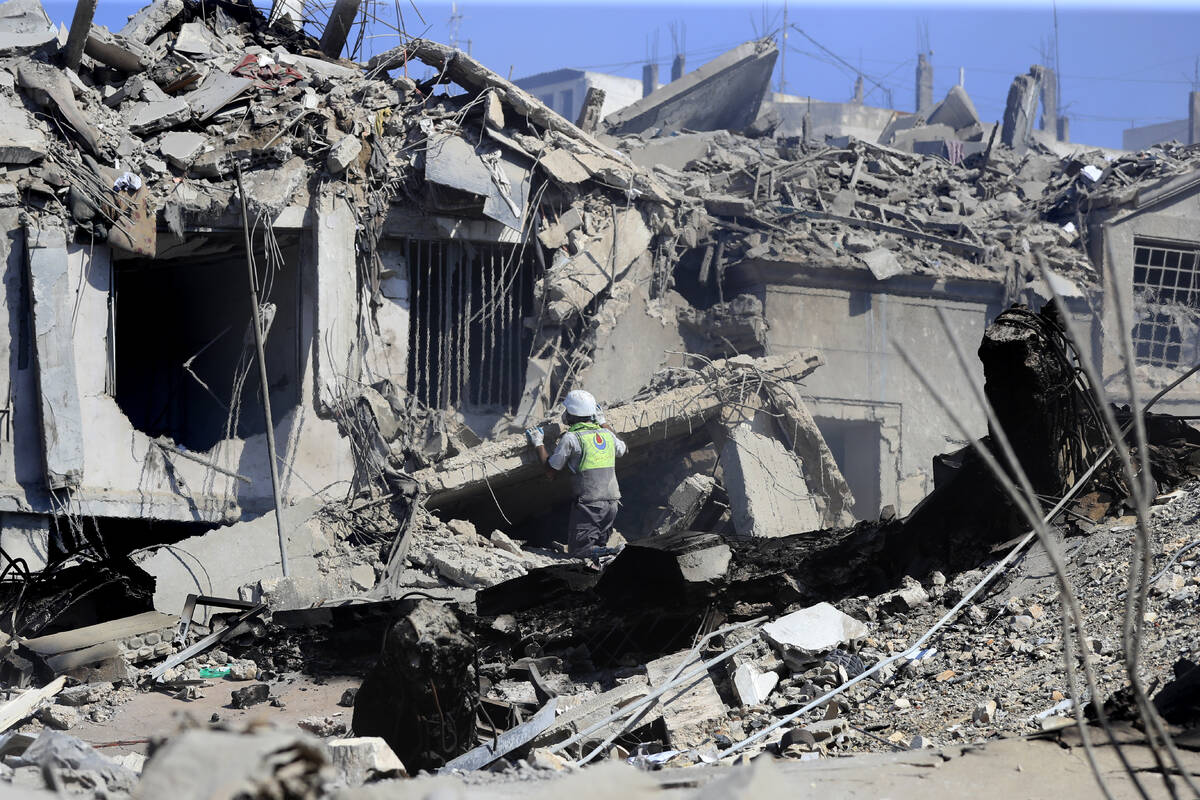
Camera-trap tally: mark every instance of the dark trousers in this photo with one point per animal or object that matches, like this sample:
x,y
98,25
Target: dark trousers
x,y
591,523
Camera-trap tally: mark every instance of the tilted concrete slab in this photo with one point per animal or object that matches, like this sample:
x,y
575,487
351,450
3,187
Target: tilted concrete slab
x,y
679,412
724,94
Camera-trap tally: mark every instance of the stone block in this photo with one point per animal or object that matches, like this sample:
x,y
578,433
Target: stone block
x,y
362,758
814,630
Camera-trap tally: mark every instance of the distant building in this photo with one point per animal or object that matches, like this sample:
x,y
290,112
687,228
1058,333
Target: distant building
x,y
564,89
1144,136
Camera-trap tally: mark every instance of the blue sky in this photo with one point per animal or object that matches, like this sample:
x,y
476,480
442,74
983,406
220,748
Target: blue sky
x,y
1120,64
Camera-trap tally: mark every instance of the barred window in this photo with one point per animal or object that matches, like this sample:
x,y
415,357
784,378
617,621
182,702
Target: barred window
x,y
1163,274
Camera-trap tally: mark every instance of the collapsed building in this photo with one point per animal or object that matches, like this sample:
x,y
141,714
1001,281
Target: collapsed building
x,y
277,321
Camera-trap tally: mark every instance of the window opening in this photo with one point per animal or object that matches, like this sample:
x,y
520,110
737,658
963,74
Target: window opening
x,y
467,338
1164,274
183,341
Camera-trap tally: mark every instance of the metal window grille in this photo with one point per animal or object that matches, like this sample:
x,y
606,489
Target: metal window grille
x,y
467,340
1163,274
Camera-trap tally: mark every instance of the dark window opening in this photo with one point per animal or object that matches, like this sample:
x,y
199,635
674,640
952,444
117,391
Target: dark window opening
x,y
468,342
184,350
855,446
1164,273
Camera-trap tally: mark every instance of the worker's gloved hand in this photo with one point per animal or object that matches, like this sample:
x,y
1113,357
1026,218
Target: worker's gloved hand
x,y
599,417
536,436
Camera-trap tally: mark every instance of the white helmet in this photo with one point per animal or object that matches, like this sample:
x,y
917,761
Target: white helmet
x,y
580,403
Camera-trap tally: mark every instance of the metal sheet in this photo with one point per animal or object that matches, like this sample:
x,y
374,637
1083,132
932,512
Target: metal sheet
x,y
506,742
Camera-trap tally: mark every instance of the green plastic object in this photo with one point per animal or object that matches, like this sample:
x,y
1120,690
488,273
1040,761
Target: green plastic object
x,y
219,672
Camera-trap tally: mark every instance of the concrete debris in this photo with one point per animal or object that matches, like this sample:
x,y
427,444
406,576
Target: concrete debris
x,y
221,238
815,630
364,758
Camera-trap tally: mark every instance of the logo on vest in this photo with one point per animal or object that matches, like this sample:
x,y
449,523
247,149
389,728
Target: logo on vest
x,y
600,442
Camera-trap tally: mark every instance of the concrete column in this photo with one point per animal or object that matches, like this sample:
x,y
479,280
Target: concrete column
x,y
1193,117
677,67
333,39
1064,129
1021,109
924,97
649,79
858,90
53,295
1050,102
81,26
336,346
589,114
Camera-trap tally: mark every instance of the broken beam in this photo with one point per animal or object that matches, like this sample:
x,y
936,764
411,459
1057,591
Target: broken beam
x,y
974,251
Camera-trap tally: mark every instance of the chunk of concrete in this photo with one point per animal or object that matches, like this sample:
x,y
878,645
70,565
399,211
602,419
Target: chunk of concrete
x,y
20,141
363,758
956,110
217,563
753,687
693,712
882,263
146,118
24,26
115,51
150,20
724,94
51,89
180,148
814,630
1020,110
343,154
768,494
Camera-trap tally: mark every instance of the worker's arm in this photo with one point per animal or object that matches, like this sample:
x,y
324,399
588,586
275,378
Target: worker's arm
x,y
603,423
536,438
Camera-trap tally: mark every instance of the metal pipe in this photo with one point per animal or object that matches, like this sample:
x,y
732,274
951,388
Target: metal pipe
x,y
256,321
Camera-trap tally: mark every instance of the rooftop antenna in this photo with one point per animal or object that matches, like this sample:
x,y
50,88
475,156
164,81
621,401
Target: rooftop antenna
x,y
1058,92
455,24
783,46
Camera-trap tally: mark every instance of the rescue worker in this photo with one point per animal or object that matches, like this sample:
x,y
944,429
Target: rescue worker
x,y
589,449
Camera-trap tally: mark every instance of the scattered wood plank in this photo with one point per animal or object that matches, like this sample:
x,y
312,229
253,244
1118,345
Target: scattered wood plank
x,y
21,707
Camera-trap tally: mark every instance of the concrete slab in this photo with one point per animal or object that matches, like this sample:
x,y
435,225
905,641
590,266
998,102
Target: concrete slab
x,y
217,91
724,94
180,147
20,141
53,297
222,560
492,174
510,461
767,491
147,118
150,20
24,26
694,712
675,151
956,110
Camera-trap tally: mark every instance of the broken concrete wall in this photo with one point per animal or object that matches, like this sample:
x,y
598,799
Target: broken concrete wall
x,y
1020,110
854,322
829,119
726,93
634,338
125,473
1114,232
221,561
